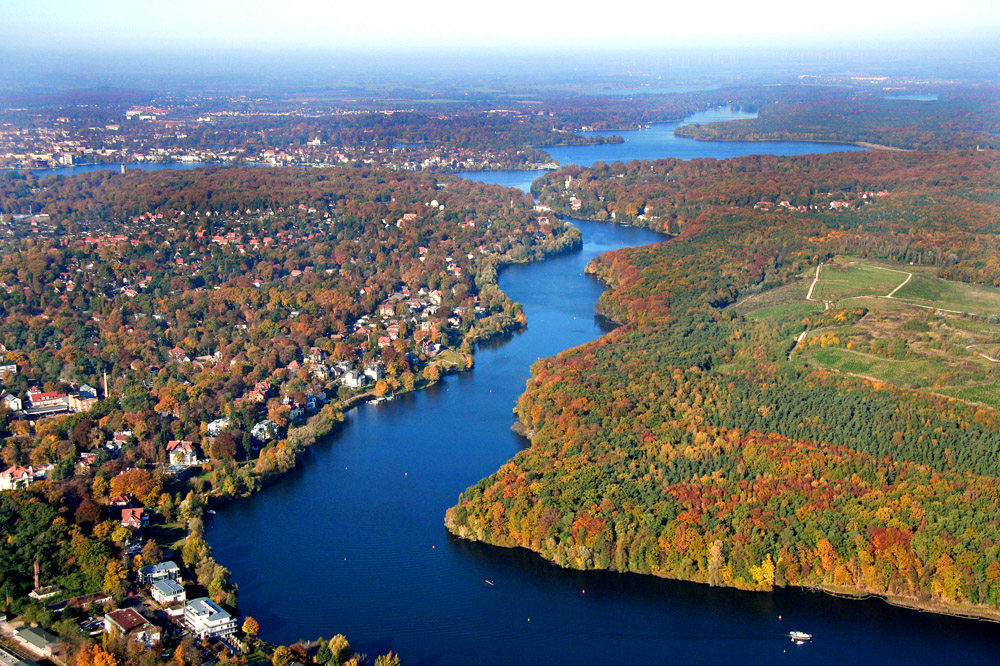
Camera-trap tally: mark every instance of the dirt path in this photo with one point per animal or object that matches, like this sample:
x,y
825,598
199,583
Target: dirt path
x,y
812,287
909,276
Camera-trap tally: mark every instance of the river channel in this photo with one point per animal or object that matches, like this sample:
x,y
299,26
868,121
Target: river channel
x,y
353,540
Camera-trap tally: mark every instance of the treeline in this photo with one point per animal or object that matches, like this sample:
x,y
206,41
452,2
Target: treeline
x,y
686,445
960,119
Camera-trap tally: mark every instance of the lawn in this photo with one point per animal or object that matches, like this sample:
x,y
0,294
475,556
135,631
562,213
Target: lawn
x,y
988,394
838,281
935,292
909,373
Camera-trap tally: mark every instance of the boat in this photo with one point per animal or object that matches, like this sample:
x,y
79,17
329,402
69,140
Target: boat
x,y
800,636
489,582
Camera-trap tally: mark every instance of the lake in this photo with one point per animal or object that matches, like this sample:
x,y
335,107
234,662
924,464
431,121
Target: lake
x,y
658,142
353,540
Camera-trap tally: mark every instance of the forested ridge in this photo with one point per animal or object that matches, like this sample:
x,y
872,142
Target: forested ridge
x,y
686,444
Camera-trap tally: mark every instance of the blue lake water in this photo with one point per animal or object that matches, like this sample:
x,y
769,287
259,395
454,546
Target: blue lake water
x,y
927,97
353,541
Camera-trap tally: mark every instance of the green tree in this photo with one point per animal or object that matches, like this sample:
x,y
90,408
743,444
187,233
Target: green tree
x,y
283,656
114,576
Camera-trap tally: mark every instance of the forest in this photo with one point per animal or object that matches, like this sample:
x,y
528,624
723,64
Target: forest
x,y
235,314
690,443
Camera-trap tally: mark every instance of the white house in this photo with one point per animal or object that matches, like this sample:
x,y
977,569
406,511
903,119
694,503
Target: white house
x,y
182,452
11,402
167,592
374,371
204,617
16,477
216,427
354,380
157,572
265,431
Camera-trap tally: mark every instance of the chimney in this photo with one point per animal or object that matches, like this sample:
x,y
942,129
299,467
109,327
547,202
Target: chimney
x,y
105,384
37,585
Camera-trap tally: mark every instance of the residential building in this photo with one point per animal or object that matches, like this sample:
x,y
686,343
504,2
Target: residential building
x,y
154,573
11,402
204,617
353,379
46,399
37,640
83,399
216,427
265,431
16,477
166,592
7,369
135,518
182,452
129,624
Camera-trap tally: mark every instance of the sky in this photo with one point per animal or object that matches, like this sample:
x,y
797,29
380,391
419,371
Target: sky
x,y
393,25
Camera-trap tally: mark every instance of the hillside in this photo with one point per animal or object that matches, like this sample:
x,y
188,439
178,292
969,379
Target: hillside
x,y
704,440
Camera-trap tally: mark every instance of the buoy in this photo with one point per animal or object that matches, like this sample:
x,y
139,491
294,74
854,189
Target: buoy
x,y
406,473
433,547
583,591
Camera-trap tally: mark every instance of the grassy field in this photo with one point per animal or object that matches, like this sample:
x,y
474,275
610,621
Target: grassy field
x,y
839,281
935,292
988,394
914,373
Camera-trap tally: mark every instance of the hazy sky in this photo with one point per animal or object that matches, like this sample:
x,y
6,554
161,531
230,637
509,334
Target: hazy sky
x,y
336,25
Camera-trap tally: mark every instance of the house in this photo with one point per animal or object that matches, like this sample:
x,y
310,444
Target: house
x,y
353,379
37,640
216,427
265,431
11,402
182,452
7,369
179,355
166,592
121,501
129,624
46,398
135,518
204,617
17,477
83,399
153,573
374,371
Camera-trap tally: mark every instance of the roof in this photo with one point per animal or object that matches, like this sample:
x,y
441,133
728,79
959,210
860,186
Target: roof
x,y
10,659
180,445
37,637
126,619
162,566
207,607
132,514
167,587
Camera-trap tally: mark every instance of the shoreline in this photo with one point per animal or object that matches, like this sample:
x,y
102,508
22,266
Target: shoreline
x,y
343,407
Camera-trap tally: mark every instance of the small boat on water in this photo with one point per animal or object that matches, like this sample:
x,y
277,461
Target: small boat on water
x,y
489,582
800,636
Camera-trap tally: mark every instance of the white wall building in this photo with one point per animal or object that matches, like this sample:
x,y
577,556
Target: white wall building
x,y
204,617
